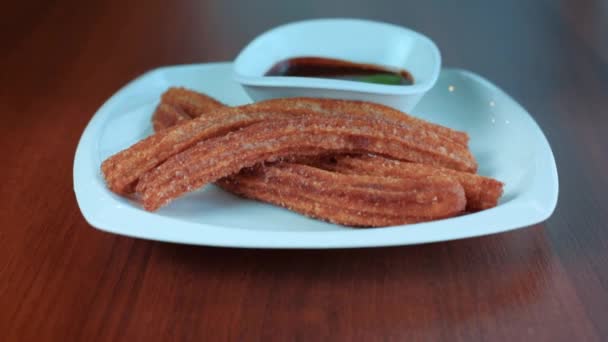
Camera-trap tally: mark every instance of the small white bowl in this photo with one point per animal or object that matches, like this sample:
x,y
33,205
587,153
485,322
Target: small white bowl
x,y
355,40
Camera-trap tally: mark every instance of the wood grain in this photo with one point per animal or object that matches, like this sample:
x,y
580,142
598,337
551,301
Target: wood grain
x,y
61,280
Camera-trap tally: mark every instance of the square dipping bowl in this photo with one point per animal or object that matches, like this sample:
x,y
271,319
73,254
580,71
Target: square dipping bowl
x,y
354,40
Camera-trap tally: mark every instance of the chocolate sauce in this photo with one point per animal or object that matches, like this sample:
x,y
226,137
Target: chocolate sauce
x,y
340,70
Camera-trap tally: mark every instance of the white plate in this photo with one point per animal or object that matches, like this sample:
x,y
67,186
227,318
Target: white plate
x,y
507,142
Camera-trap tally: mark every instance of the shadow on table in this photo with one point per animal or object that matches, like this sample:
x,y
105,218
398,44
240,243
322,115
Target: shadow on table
x,y
516,248
450,280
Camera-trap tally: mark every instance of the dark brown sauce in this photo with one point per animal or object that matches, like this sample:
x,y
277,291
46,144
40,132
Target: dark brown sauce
x,y
341,70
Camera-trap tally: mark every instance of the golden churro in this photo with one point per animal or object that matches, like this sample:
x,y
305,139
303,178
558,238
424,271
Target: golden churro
x,y
123,170
350,199
269,140
481,192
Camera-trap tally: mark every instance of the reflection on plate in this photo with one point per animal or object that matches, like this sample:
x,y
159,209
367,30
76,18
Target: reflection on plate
x,y
507,143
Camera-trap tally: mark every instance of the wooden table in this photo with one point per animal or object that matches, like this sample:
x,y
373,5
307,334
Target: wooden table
x,y
62,280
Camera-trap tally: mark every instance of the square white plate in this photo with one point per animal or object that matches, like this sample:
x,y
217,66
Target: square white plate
x,y
506,141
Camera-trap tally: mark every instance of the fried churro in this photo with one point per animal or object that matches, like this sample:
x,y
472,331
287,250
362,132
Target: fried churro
x,y
197,104
191,102
481,192
167,115
268,140
352,200
123,170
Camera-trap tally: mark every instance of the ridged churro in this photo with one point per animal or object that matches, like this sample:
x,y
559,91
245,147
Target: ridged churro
x,y
196,104
167,115
270,140
352,200
481,192
191,102
124,169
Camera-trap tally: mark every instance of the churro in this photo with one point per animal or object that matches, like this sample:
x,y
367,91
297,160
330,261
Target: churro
x,y
481,192
352,200
270,140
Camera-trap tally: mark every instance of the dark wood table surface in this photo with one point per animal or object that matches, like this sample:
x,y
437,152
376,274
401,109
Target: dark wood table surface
x,y
62,280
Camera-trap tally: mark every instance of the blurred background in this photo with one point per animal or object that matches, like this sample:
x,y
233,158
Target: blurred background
x,y
483,36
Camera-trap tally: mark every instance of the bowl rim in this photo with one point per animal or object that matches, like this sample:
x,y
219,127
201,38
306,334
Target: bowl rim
x,y
331,84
